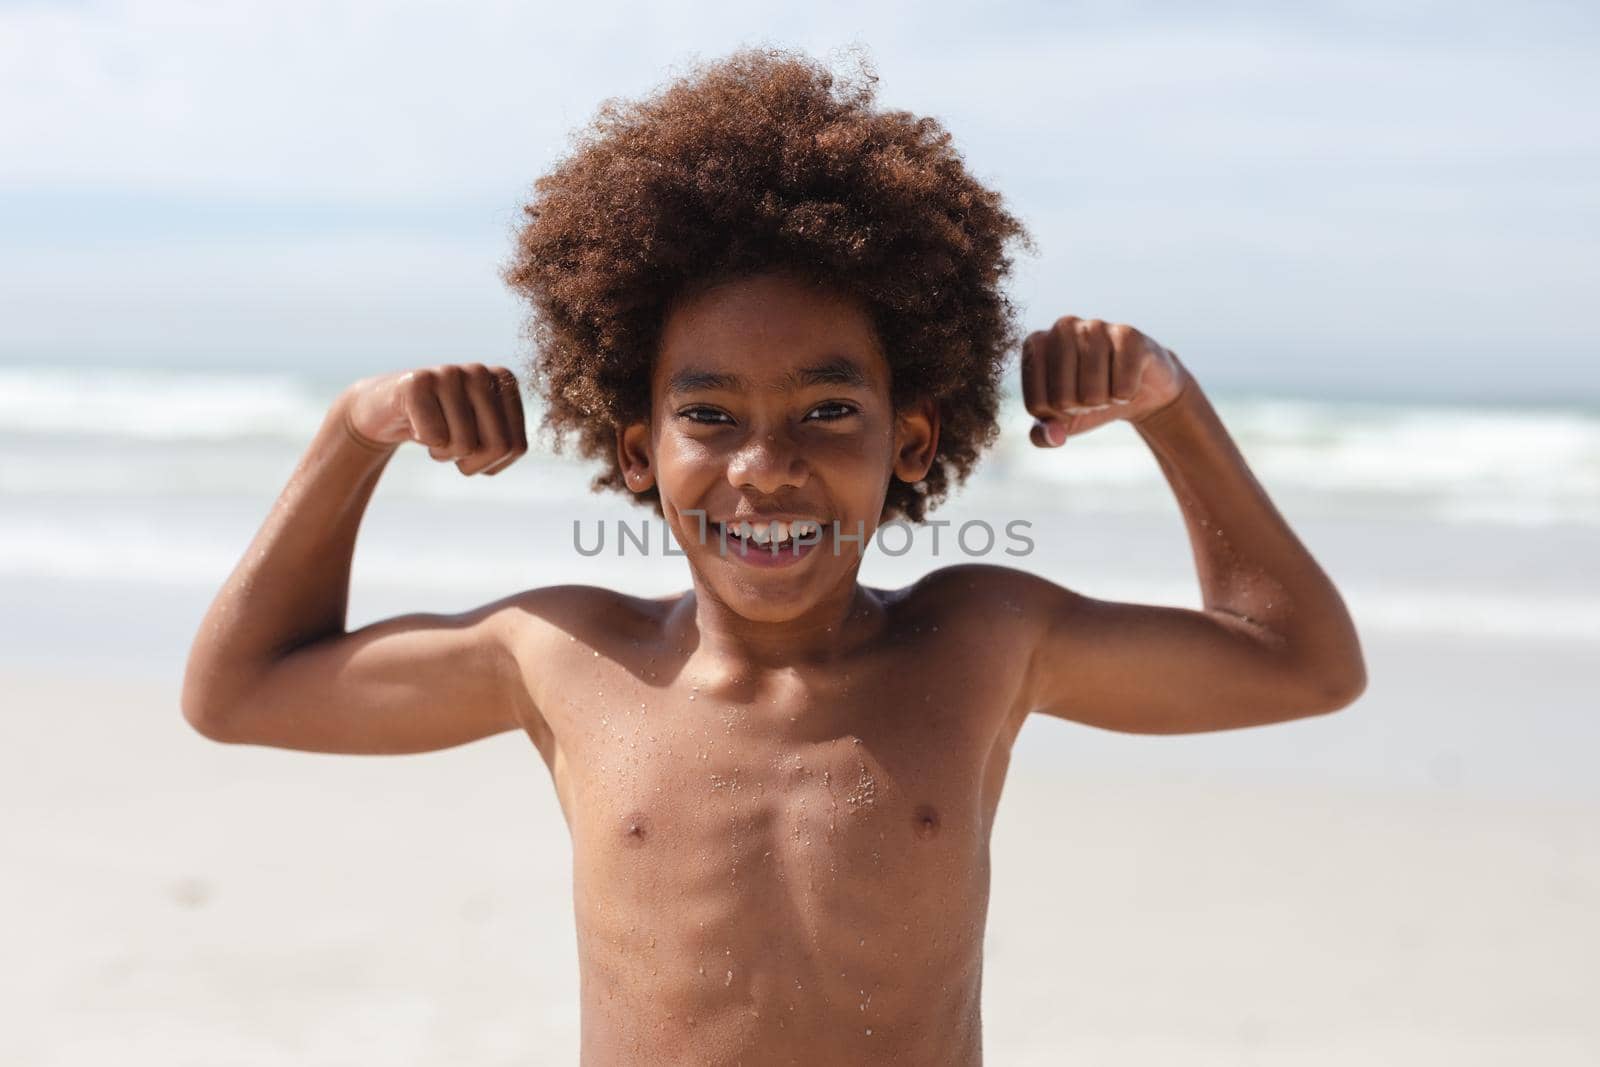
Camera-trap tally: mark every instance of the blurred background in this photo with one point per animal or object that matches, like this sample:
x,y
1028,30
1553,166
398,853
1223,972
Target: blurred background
x,y
1368,230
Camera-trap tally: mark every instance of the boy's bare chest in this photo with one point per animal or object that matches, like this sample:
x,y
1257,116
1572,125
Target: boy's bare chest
x,y
785,852
703,783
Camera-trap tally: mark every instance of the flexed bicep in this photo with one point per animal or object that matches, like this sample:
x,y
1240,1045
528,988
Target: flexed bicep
x,y
1155,669
411,683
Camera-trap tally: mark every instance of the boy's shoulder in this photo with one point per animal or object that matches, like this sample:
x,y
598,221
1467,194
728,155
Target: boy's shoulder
x,y
984,595
984,599
988,621
590,614
982,592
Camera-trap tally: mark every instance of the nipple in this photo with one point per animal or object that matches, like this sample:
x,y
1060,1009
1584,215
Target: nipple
x,y
635,828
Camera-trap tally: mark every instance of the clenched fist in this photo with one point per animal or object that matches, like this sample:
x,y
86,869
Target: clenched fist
x,y
464,412
1083,373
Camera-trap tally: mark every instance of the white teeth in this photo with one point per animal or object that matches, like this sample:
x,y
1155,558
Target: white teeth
x,y
766,533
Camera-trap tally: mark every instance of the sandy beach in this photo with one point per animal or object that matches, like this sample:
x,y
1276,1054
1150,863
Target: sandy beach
x,y
172,901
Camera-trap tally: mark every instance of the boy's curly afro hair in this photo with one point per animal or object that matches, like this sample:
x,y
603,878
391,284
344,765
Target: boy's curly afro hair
x,y
755,163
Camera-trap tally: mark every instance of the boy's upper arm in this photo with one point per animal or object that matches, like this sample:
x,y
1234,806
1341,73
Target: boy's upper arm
x,y
1146,668
410,683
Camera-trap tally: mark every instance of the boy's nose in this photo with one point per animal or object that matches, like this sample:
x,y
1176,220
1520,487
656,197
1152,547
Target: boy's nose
x,y
766,463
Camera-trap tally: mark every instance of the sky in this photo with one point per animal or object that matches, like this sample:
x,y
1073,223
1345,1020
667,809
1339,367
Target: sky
x,y
1370,200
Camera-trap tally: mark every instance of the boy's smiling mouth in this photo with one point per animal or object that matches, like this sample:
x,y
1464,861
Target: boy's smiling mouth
x,y
769,542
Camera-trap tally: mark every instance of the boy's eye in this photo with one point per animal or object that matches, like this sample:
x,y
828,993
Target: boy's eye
x,y
704,416
832,410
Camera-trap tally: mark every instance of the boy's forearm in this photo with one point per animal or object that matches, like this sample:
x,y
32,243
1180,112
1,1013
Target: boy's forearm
x,y
292,584
1250,563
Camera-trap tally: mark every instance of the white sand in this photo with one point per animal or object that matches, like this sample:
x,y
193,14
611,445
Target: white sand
x,y
171,901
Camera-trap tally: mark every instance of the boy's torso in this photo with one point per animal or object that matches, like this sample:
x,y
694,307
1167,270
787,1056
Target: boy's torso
x,y
785,865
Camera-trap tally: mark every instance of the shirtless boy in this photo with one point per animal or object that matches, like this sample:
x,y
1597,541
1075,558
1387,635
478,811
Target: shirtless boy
x,y
759,301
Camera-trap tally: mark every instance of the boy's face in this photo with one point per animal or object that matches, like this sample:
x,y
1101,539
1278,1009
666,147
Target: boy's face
x,y
770,400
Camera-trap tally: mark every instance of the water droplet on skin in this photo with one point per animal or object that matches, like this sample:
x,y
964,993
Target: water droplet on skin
x,y
869,1031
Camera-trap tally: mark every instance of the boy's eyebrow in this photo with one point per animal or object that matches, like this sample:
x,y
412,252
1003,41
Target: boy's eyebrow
x,y
694,381
836,371
840,370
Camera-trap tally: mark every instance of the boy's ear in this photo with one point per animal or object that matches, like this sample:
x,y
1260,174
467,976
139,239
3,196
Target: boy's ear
x,y
633,456
916,439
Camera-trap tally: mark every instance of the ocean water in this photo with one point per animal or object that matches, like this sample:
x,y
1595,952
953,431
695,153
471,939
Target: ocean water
x,y
1463,539
1441,518
131,432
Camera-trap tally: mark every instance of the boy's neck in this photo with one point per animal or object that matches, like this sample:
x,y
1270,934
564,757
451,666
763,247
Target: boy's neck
x,y
831,627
